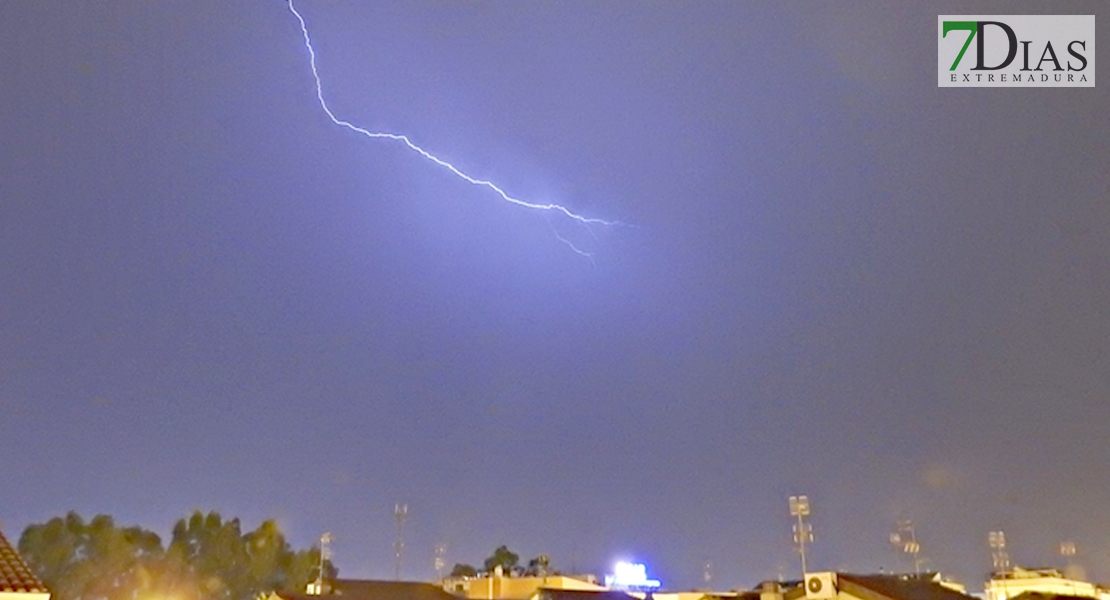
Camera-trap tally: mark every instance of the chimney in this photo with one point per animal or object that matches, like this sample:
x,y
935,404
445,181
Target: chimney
x,y
770,590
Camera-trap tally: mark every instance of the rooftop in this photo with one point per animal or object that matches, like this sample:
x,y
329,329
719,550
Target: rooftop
x,y
902,587
550,594
15,576
366,589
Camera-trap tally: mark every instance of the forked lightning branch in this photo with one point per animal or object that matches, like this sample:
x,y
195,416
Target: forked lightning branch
x,y
546,208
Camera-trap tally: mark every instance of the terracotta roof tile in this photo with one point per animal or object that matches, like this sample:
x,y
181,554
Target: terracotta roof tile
x,y
15,576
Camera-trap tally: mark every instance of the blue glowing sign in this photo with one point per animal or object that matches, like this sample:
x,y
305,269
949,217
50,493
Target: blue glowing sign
x,y
633,576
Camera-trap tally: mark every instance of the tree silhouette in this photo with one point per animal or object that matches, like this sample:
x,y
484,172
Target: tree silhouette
x,y
504,558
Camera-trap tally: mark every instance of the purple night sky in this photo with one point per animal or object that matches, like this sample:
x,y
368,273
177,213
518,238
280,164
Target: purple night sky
x,y
836,279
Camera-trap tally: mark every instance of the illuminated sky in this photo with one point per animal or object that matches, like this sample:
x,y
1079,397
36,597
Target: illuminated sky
x,y
840,281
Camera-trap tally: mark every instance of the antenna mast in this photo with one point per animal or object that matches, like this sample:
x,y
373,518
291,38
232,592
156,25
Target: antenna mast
x,y
401,513
803,532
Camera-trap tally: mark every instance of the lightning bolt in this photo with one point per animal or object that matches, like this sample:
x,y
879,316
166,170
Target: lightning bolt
x,y
547,208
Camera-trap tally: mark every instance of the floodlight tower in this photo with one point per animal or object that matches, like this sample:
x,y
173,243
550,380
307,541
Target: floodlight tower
x,y
1067,550
400,513
440,559
325,539
803,532
997,542
904,540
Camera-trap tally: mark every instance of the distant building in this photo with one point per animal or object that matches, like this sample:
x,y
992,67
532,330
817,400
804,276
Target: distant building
x,y
546,594
847,586
361,589
496,586
698,595
17,582
1040,583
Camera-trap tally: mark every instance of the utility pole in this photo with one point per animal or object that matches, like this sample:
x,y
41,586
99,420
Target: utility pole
x,y
803,532
401,513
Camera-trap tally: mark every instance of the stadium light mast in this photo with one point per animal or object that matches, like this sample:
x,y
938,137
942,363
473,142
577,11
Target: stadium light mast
x,y
997,541
440,560
325,539
1067,550
803,532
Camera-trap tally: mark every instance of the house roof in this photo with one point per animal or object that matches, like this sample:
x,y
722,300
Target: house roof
x,y
1044,596
897,587
748,595
15,576
365,589
550,594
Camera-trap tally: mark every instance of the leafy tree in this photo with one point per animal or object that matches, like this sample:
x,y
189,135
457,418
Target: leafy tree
x,y
231,565
274,566
215,553
504,558
97,560
537,567
207,559
461,570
